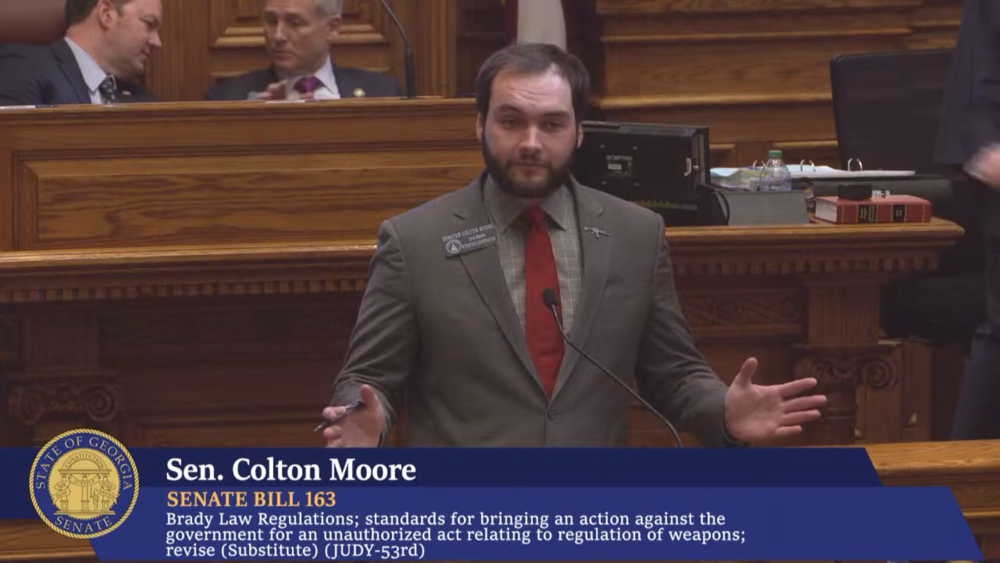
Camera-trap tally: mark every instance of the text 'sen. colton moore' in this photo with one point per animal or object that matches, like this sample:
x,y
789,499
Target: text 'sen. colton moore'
x,y
272,469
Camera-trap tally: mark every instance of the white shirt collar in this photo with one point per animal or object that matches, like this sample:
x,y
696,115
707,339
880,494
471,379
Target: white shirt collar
x,y
93,74
325,75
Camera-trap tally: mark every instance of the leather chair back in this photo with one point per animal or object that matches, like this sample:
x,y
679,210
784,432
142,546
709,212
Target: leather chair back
x,y
35,22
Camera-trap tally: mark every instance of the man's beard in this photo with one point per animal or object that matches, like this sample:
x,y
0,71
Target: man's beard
x,y
505,182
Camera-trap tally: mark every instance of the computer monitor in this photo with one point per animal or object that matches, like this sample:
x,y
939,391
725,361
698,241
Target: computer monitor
x,y
658,166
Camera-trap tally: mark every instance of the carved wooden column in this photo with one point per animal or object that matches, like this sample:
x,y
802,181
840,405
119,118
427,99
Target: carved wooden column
x,y
62,385
432,28
10,358
9,340
844,350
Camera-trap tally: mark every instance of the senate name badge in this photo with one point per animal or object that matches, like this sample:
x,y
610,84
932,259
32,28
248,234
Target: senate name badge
x,y
468,240
84,484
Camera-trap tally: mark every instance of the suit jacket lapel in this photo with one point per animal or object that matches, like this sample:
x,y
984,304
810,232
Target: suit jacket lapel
x,y
596,245
71,69
348,88
265,79
260,80
486,272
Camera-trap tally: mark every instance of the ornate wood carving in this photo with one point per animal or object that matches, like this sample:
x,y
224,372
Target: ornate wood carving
x,y
839,374
315,268
10,339
736,312
237,332
198,430
36,398
180,290
235,271
836,372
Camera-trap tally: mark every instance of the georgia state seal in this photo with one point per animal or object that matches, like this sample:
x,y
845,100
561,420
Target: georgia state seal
x,y
84,484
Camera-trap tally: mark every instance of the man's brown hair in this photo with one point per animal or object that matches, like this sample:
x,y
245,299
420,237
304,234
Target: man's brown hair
x,y
79,10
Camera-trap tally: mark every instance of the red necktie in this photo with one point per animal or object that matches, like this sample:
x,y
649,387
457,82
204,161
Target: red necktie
x,y
307,85
544,340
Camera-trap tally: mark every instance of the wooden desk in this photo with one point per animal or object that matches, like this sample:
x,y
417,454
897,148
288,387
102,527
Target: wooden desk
x,y
203,173
189,274
239,344
971,469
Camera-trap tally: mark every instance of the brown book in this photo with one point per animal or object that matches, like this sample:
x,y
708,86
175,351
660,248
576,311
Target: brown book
x,y
887,209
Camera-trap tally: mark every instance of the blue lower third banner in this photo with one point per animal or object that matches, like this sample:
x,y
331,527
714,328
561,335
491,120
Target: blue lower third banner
x,y
476,504
547,524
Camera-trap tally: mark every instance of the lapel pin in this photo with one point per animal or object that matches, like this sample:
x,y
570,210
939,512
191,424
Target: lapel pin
x,y
359,93
598,233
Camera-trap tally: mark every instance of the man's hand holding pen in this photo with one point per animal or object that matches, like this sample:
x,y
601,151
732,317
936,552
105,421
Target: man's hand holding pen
x,y
359,425
277,91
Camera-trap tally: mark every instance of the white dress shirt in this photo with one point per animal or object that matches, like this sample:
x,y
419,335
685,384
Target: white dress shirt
x,y
328,91
93,74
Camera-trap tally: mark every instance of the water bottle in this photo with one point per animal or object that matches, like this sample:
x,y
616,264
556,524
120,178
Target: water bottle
x,y
775,177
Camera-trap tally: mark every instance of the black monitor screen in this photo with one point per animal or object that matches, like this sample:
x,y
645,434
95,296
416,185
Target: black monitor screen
x,y
654,165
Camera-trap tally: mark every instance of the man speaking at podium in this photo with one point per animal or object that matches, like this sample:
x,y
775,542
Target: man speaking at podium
x,y
454,315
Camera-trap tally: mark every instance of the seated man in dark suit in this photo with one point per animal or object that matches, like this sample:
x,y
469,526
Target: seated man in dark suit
x,y
298,34
106,46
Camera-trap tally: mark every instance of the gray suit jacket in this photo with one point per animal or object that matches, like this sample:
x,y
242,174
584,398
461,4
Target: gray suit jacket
x,y
444,332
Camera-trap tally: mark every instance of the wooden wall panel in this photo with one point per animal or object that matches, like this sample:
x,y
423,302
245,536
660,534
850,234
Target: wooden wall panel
x,y
435,34
755,71
177,174
250,197
758,71
481,31
757,67
933,24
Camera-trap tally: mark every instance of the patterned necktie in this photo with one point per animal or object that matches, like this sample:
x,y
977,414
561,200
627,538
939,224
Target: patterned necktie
x,y
109,91
308,85
544,340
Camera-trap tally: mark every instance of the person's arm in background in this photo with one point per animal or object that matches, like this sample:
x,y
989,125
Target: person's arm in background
x,y
983,126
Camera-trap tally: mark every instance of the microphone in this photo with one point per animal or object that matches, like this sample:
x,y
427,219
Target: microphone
x,y
550,299
411,89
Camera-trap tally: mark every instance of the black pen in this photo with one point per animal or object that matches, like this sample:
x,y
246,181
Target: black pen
x,y
350,408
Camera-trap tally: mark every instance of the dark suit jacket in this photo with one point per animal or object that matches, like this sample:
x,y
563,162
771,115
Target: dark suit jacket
x,y
971,111
49,74
350,82
445,330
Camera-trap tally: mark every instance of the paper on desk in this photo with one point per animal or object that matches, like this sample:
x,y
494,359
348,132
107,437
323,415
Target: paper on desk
x,y
736,175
